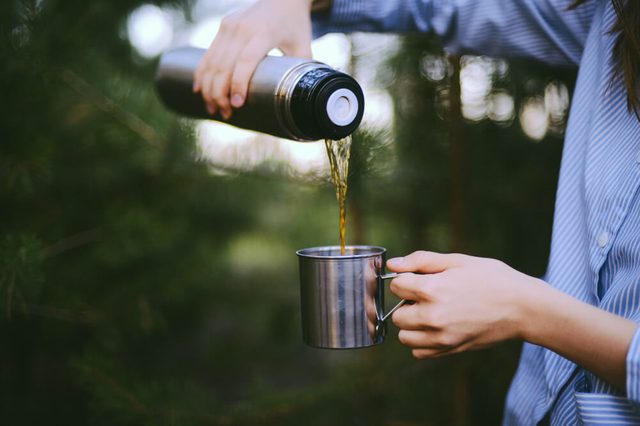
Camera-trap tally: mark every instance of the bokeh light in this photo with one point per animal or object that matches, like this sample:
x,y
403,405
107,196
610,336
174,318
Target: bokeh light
x,y
434,67
500,107
475,86
150,30
334,50
204,32
556,101
227,147
378,112
534,118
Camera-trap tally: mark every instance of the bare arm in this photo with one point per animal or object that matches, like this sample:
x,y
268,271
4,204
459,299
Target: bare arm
x,y
595,339
465,303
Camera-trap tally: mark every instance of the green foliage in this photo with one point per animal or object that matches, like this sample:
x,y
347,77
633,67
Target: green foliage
x,y
137,287
20,270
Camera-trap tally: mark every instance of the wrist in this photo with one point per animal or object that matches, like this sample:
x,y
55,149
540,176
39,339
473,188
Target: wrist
x,y
533,296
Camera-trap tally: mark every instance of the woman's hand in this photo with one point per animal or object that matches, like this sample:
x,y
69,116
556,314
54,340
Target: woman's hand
x,y
244,39
464,303
461,302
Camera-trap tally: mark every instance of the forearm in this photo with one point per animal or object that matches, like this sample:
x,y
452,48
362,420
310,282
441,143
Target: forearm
x,y
514,28
592,338
347,16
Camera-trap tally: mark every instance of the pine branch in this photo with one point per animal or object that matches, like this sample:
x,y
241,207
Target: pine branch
x,y
52,312
119,389
139,407
102,102
12,282
74,241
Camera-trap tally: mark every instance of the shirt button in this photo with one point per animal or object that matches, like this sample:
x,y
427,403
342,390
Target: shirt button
x,y
603,239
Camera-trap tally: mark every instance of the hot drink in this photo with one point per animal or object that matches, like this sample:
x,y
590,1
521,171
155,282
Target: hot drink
x,y
339,152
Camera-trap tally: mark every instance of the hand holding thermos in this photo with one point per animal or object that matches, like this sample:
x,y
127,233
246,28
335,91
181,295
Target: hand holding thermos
x,y
246,37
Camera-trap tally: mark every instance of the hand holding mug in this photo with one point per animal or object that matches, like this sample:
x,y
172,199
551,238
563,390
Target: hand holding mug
x,y
461,302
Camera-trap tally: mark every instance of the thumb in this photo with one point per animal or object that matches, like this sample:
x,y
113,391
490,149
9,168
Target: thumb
x,y
300,45
425,262
299,50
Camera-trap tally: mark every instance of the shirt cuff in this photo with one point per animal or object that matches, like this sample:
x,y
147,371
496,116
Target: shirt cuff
x,y
348,12
348,16
344,16
633,369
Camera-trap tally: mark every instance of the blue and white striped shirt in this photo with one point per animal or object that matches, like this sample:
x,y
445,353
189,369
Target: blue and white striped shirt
x,y
595,250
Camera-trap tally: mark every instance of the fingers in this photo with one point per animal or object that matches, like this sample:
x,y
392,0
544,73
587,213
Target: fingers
x,y
433,353
299,45
301,49
412,286
219,90
246,64
205,73
422,339
225,59
213,76
199,73
414,317
425,262
427,345
207,94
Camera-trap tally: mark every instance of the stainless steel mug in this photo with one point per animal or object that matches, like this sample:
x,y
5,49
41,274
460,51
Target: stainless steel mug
x,y
342,296
288,97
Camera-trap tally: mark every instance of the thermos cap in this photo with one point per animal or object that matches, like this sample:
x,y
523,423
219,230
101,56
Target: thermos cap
x,y
342,107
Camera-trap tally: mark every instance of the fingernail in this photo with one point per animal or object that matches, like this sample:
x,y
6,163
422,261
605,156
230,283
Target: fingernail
x,y
237,101
211,109
395,262
195,86
226,114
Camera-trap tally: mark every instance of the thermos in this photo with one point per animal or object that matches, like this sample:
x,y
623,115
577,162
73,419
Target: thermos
x,y
288,97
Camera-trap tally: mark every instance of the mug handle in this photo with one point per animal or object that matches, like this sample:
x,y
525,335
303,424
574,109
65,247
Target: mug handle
x,y
391,276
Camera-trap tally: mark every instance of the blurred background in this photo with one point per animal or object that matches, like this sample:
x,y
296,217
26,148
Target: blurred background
x,y
147,262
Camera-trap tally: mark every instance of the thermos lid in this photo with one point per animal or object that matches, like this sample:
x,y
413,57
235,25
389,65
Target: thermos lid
x,y
342,107
327,104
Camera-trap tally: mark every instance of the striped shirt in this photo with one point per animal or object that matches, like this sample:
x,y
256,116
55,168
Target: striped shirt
x,y
595,249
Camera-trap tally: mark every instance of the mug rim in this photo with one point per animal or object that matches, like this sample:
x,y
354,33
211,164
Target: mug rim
x,y
315,252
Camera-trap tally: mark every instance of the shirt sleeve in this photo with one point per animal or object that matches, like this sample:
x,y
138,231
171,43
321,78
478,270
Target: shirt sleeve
x,y
541,29
633,369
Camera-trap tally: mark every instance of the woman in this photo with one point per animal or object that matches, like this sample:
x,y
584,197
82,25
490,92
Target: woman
x,y
581,359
